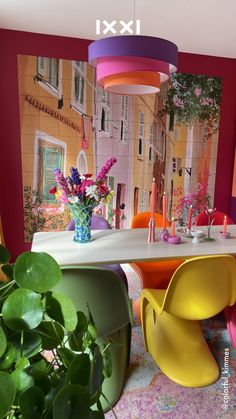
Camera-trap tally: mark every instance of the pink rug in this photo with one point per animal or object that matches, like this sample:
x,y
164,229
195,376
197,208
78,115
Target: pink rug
x,y
149,394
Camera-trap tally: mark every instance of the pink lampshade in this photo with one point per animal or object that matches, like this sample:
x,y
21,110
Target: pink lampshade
x,y
144,61
107,66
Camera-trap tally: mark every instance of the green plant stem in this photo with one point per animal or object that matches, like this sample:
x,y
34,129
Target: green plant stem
x,y
10,285
110,406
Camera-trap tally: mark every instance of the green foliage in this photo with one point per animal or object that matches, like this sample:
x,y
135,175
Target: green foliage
x,y
50,364
194,97
39,216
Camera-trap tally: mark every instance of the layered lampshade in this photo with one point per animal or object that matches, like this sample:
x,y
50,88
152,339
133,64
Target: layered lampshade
x,y
133,65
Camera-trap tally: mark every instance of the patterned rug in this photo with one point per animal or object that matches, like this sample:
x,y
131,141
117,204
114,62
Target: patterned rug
x,y
149,394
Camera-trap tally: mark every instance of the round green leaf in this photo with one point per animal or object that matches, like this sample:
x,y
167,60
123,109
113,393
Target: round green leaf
x,y
79,370
22,380
32,403
66,356
22,363
60,308
38,370
31,343
22,310
4,255
72,401
36,271
3,341
52,334
81,321
7,393
75,340
8,357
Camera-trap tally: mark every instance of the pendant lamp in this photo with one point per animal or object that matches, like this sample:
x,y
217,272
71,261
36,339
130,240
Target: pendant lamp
x,y
133,64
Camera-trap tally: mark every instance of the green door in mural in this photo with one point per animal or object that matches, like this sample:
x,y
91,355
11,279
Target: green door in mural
x,y
51,158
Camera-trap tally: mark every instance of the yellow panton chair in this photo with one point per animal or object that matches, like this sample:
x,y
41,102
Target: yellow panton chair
x,y
199,289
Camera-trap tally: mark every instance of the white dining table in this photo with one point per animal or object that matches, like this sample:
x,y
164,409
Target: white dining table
x,y
127,246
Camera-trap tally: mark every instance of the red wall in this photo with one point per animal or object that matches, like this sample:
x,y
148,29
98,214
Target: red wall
x,y
15,42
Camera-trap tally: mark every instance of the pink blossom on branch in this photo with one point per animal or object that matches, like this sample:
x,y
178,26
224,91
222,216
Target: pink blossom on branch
x,y
106,168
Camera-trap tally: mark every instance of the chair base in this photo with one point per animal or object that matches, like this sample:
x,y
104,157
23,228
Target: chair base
x,y
179,348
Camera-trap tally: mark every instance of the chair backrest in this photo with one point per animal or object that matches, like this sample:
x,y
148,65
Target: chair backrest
x,y
102,291
142,219
201,287
217,217
98,223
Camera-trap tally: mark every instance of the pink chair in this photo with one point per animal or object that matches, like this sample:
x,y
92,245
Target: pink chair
x,y
218,217
99,223
230,318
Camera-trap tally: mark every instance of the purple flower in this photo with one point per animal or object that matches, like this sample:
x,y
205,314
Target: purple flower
x,y
106,168
75,175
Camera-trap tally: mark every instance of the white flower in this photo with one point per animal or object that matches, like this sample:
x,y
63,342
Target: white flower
x,y
73,199
82,177
92,192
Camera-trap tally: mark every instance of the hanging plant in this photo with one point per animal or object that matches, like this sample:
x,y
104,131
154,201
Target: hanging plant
x,y
193,97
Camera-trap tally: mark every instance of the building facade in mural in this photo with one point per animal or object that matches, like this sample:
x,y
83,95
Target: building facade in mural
x,y
66,120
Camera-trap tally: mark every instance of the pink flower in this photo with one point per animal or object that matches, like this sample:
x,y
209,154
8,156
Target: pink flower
x,y
106,168
82,187
198,91
63,199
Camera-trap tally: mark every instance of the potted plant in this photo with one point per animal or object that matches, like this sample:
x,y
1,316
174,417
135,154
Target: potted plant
x,y
50,363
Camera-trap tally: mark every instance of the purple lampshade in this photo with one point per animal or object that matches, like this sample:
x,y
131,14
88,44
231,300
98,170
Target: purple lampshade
x,y
143,53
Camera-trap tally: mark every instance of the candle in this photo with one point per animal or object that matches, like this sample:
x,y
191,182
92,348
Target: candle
x,y
173,229
190,214
164,210
225,225
153,203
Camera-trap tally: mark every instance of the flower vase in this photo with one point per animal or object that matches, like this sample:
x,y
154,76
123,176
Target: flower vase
x,y
82,217
209,238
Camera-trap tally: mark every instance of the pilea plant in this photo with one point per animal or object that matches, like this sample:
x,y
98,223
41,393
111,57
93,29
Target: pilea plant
x,y
50,363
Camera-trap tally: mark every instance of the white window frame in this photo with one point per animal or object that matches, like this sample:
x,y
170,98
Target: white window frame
x,y
79,70
42,136
82,156
124,119
106,108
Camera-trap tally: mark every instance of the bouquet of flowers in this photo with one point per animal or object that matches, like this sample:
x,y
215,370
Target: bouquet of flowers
x,y
81,193
82,189
198,199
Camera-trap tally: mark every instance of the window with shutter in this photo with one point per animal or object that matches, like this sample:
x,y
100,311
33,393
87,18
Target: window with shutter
x,y
124,119
48,70
106,112
140,133
79,85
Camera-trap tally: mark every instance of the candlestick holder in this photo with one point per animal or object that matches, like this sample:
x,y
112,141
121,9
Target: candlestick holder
x,y
151,231
225,235
165,235
174,240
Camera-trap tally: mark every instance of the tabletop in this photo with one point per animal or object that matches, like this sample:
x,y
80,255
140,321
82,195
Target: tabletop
x,y
128,245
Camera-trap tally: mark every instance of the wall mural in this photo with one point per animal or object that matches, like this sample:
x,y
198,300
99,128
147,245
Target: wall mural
x,y
66,120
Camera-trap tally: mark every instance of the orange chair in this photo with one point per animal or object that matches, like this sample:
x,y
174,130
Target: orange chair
x,y
152,274
217,217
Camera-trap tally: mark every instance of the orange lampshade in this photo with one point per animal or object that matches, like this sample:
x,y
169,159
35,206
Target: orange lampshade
x,y
133,83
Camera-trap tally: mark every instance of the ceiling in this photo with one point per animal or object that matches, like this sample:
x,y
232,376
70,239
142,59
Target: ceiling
x,y
197,26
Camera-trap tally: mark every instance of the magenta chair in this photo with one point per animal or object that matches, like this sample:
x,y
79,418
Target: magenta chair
x,y
99,223
218,217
